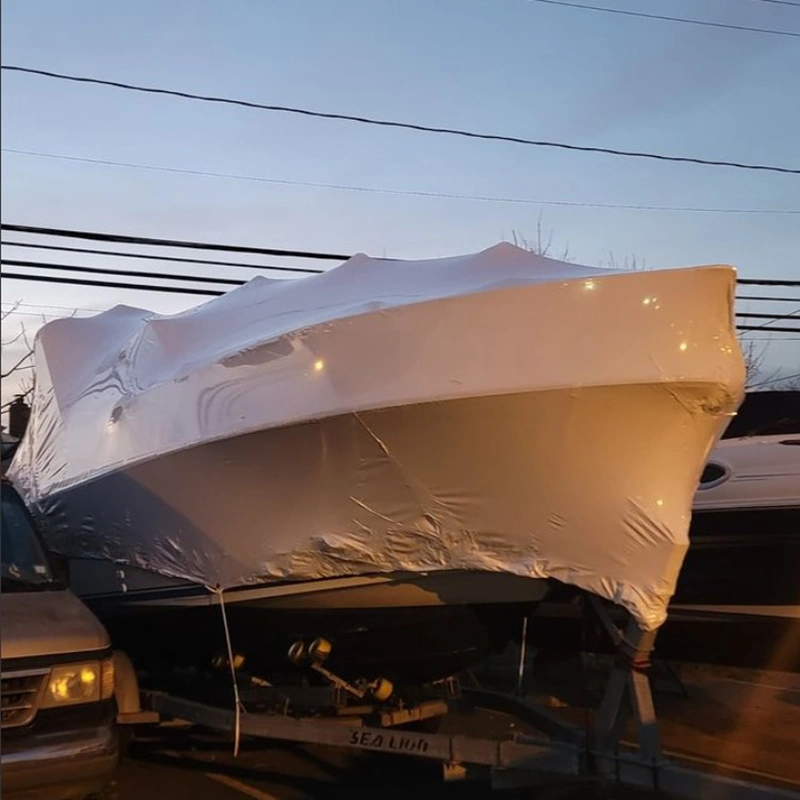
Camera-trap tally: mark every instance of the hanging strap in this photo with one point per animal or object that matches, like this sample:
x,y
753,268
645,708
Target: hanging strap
x,y
237,702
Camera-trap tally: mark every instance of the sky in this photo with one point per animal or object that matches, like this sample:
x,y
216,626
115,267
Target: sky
x,y
511,67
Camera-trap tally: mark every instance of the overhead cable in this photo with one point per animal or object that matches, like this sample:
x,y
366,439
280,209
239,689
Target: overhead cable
x,y
215,293
123,272
769,299
395,124
770,316
781,2
775,328
151,257
112,284
664,18
765,282
401,192
779,379
147,240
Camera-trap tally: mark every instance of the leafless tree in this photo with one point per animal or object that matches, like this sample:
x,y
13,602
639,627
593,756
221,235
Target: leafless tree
x,y
631,263
543,244
756,377
23,363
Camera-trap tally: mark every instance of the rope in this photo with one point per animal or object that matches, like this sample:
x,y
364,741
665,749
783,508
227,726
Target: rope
x,y
237,702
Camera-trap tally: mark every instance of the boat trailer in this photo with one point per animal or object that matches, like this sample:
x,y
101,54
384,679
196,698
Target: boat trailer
x,y
557,748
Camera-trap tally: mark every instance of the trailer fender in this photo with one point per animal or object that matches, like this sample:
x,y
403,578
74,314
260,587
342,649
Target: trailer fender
x,y
126,693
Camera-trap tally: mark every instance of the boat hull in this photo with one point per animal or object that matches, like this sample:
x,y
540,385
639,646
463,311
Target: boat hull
x,y
536,484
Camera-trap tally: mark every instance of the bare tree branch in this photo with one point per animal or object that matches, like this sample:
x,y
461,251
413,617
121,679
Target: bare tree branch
x,y
7,342
542,245
10,311
17,366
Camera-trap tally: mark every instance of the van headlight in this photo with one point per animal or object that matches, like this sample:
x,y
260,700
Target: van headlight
x,y
72,684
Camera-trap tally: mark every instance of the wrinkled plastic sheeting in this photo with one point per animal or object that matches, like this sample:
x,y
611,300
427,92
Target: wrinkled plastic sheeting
x,y
498,411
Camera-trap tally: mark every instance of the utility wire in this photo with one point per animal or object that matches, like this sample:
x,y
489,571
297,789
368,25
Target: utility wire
x,y
770,316
150,257
223,281
394,124
123,272
146,240
43,315
124,239
770,299
781,2
765,282
212,292
402,192
113,284
772,320
51,311
776,380
663,18
761,327
14,306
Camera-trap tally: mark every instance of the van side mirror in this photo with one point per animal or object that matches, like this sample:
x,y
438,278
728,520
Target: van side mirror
x,y
60,564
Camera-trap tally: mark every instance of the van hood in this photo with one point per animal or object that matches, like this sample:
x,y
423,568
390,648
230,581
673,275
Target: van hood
x,y
47,623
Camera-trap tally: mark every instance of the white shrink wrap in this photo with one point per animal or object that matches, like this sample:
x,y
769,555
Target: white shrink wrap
x,y
497,411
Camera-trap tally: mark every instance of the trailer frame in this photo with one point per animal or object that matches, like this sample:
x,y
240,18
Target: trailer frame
x,y
558,748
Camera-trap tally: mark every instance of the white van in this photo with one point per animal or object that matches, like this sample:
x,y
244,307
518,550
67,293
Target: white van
x,y
58,739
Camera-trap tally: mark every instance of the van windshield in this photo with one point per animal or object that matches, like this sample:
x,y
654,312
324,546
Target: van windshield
x,y
24,563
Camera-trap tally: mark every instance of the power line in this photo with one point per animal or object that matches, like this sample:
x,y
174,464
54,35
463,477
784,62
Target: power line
x,y
112,284
781,2
770,299
58,308
45,315
151,257
776,380
761,327
402,192
770,316
772,319
765,282
13,306
394,124
123,272
146,240
216,293
150,241
663,18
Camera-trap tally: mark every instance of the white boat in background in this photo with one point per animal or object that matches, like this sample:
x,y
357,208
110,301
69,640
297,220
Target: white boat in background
x,y
385,436
740,584
737,600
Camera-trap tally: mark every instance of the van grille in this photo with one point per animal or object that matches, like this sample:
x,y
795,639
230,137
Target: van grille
x,y
20,697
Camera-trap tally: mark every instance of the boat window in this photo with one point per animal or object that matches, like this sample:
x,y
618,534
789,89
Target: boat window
x,y
713,475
